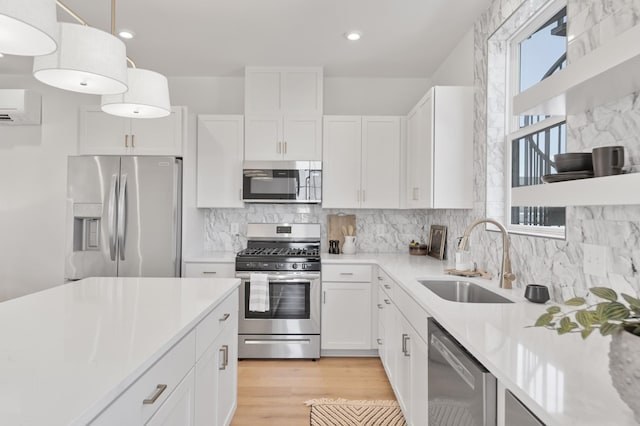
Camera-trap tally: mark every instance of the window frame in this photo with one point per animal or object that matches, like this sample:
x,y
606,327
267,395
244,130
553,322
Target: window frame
x,y
512,128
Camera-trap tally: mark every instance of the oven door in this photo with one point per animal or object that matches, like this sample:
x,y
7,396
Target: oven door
x,y
294,301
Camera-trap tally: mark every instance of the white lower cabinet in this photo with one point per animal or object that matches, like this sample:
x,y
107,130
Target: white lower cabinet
x,y
402,349
188,385
347,315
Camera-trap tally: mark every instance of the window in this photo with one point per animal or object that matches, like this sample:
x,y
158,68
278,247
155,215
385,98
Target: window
x,y
536,51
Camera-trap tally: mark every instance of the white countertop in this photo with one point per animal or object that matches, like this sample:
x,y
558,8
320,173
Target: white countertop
x,y
564,380
66,352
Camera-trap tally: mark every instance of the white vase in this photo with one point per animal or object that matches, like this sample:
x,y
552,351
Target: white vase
x,y
624,367
349,245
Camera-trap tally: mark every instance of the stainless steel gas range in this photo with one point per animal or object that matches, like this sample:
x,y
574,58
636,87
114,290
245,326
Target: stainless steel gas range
x,y
289,326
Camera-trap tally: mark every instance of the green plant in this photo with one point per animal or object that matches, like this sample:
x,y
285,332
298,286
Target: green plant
x,y
610,316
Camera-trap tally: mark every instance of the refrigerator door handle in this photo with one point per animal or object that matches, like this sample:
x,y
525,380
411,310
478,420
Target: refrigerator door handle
x,y
122,215
113,193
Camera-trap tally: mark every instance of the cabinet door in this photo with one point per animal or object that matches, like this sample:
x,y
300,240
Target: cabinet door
x,y
207,370
302,90
178,409
219,161
157,136
227,374
101,133
403,364
381,143
302,138
418,410
346,315
420,154
452,139
341,150
262,90
263,137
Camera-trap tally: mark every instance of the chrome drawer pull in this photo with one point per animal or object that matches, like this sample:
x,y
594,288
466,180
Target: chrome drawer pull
x,y
209,272
379,341
346,273
387,301
156,395
380,278
387,286
379,305
224,317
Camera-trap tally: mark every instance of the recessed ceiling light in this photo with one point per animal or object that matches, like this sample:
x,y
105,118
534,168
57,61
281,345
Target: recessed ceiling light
x,y
126,34
353,35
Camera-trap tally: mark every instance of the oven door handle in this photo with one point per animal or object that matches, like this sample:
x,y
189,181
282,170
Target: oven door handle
x,y
283,277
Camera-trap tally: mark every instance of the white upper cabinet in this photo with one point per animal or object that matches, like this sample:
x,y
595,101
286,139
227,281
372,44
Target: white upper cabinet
x,y
270,137
361,162
439,153
283,90
283,114
105,134
219,161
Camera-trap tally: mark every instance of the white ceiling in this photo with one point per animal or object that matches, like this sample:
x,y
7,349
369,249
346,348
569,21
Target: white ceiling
x,y
401,38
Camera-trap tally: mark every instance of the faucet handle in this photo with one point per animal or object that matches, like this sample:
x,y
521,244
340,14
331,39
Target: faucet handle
x,y
507,279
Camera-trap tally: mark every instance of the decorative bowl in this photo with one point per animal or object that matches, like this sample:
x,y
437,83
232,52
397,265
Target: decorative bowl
x,y
573,162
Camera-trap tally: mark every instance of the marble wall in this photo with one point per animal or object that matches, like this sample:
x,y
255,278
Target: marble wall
x,y
557,263
377,231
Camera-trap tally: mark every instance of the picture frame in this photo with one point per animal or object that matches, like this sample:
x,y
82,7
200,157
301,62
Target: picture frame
x,y
437,241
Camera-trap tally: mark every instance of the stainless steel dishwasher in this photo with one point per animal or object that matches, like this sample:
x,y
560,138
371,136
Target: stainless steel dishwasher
x,y
461,391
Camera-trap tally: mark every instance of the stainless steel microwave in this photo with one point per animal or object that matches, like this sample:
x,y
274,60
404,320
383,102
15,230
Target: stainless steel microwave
x,y
282,182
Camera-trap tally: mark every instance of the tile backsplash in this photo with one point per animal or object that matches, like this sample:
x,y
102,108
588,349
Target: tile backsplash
x,y
378,231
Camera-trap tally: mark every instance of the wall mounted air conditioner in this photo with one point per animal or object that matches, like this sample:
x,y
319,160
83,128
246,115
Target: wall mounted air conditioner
x,y
20,107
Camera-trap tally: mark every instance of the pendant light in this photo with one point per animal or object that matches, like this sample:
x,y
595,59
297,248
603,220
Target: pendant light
x,y
87,61
148,93
147,97
28,27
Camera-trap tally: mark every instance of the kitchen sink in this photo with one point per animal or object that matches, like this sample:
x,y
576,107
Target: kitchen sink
x,y
463,292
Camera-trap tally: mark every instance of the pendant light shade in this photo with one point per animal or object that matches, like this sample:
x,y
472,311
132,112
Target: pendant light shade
x,y
87,61
147,97
28,27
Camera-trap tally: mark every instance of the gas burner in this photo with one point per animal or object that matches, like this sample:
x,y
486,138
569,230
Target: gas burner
x,y
280,251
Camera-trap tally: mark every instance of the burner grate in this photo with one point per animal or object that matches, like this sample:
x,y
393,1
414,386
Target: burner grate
x,y
281,251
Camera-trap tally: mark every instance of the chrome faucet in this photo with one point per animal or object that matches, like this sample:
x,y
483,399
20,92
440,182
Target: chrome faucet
x,y
506,276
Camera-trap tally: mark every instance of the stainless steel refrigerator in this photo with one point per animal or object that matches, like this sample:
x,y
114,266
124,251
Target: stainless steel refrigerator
x,y
123,216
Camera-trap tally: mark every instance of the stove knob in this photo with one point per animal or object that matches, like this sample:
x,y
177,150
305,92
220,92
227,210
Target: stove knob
x,y
294,266
278,265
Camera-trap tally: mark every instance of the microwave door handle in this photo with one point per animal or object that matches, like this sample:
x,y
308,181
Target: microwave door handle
x,y
307,186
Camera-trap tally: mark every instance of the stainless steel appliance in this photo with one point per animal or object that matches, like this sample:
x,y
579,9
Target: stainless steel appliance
x,y
461,391
282,182
123,216
290,256
516,413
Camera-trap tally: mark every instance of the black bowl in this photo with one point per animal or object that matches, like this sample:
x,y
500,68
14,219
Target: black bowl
x,y
536,293
573,162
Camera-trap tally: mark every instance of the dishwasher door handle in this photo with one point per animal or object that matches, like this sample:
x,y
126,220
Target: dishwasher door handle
x,y
454,362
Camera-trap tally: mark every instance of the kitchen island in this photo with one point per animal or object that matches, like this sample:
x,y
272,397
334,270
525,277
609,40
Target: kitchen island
x,y
563,380
68,352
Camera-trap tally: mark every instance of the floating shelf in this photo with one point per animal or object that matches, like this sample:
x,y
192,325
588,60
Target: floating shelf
x,y
609,190
606,74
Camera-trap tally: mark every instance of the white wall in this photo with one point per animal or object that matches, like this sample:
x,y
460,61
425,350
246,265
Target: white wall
x,y
457,68
33,161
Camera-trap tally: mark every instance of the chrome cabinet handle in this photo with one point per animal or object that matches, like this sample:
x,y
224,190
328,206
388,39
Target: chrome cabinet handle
x,y
379,341
133,141
405,338
225,357
387,301
324,297
224,317
380,278
285,147
346,273
380,306
126,141
209,272
387,286
156,394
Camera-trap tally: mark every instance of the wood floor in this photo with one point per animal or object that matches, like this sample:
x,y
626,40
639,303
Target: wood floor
x,y
273,392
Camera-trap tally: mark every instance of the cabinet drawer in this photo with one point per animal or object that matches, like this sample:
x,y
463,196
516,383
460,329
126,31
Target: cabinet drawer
x,y
209,270
346,273
385,282
224,315
169,371
413,312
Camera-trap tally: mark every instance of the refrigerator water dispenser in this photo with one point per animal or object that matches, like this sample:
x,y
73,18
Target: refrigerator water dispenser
x,y
86,226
